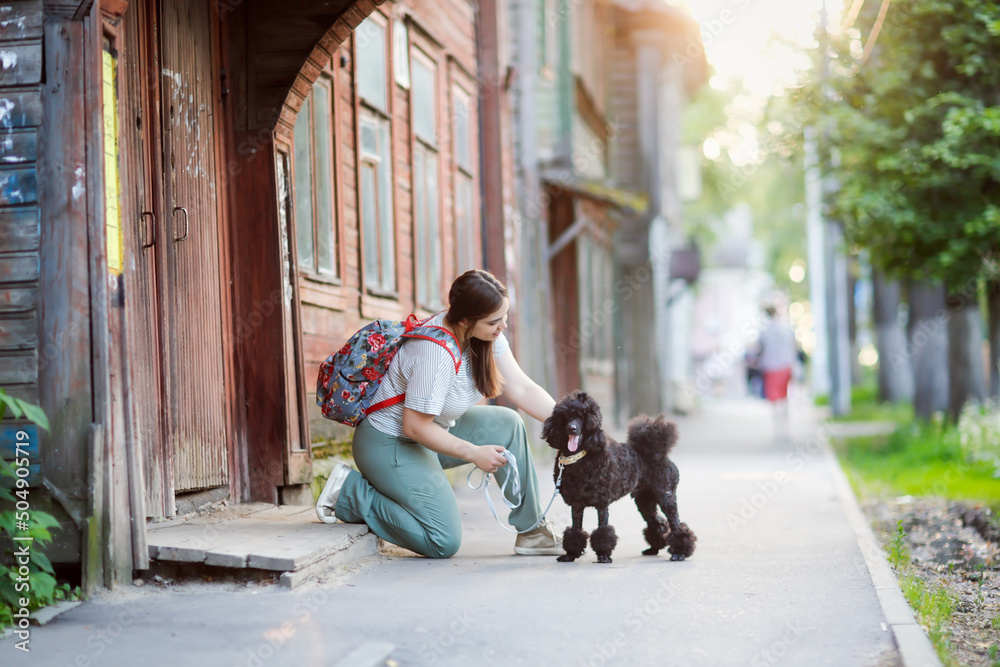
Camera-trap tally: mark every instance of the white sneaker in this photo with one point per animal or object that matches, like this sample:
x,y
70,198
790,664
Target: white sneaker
x,y
331,491
542,541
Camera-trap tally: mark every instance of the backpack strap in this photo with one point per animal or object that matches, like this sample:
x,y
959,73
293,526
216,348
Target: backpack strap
x,y
442,337
439,335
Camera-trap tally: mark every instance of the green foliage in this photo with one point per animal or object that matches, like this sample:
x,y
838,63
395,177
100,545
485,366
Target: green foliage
x,y
917,133
19,408
979,435
933,606
919,459
866,407
40,587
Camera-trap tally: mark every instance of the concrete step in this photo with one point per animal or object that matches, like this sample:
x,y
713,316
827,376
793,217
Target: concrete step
x,y
287,539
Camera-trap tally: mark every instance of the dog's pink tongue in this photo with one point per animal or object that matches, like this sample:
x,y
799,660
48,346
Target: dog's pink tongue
x,y
573,443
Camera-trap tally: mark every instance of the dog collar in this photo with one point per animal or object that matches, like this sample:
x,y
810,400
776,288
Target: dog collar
x,y
567,460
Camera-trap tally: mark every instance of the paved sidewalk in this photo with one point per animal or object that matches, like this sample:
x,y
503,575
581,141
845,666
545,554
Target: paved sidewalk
x,y
777,578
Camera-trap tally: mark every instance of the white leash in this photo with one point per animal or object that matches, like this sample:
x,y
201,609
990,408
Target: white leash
x,y
484,483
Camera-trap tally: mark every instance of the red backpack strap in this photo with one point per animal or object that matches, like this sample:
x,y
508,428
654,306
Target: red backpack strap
x,y
384,404
442,337
419,329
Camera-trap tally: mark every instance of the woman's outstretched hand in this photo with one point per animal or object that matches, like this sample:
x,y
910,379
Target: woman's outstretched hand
x,y
489,458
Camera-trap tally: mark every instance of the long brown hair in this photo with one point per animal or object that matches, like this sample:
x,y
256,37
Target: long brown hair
x,y
474,295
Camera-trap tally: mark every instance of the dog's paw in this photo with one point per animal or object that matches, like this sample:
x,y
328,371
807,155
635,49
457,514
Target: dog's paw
x,y
650,552
678,557
566,559
604,559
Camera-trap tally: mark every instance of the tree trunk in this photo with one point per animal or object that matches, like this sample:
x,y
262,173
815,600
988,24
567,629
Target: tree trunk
x,y
928,348
993,301
965,354
852,320
895,372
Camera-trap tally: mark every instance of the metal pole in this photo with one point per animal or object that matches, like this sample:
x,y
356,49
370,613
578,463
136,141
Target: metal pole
x,y
836,264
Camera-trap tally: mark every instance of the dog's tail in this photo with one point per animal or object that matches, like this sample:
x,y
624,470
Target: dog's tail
x,y
652,437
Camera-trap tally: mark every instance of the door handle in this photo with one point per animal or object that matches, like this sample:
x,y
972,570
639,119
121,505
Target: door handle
x,y
186,228
142,217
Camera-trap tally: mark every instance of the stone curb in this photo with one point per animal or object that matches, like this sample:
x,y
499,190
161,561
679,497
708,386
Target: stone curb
x,y
915,649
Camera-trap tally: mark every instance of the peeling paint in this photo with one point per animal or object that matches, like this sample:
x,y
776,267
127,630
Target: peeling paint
x,y
20,21
79,189
8,59
175,76
6,106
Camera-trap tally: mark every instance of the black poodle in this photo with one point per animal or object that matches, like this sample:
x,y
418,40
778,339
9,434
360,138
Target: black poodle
x,y
596,471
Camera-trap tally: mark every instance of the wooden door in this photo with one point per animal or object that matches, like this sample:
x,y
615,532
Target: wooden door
x,y
173,281
195,368
144,233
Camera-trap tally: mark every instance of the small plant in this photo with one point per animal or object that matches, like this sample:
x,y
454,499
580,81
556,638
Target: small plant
x,y
27,582
995,622
899,552
933,608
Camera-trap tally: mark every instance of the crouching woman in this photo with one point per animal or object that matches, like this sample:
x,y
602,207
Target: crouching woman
x,y
400,489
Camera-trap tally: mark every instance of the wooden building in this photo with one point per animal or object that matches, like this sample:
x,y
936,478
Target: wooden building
x,y
202,199
601,84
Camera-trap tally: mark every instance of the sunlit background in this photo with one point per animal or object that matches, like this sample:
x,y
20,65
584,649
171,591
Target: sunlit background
x,y
757,50
738,33
756,45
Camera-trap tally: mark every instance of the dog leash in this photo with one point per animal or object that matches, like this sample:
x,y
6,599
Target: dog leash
x,y
484,484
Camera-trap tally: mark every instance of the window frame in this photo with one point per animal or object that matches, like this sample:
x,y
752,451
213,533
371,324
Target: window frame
x,y
427,277
464,256
314,273
364,109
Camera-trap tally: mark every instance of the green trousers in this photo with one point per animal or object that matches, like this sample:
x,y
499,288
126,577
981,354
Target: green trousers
x,y
403,495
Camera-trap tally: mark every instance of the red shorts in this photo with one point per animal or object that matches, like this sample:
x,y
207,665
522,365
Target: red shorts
x,y
776,384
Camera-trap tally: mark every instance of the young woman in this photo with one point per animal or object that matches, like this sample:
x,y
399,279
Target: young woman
x,y
401,451
777,358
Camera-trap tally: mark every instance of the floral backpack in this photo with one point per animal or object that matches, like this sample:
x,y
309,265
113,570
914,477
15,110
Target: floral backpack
x,y
349,378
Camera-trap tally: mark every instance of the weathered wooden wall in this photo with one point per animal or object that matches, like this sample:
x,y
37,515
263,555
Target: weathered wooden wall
x,y
20,228
64,323
44,355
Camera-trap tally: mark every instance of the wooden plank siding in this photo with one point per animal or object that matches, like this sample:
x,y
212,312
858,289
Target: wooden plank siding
x,y
20,219
65,362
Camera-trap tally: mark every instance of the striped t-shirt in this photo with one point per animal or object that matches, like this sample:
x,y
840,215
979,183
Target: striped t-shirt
x,y
425,372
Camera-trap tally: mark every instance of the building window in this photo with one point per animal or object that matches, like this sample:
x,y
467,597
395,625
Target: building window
x,y
465,233
426,188
314,186
375,155
372,59
376,205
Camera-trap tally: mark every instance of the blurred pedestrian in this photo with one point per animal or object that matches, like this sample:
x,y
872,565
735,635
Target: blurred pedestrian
x,y
776,360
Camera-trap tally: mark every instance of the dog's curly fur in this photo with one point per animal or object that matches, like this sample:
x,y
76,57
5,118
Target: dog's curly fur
x,y
609,470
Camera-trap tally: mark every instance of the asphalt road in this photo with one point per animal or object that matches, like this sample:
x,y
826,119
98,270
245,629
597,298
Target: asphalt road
x,y
777,578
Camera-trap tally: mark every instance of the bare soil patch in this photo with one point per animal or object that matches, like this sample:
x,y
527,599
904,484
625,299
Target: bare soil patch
x,y
957,546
